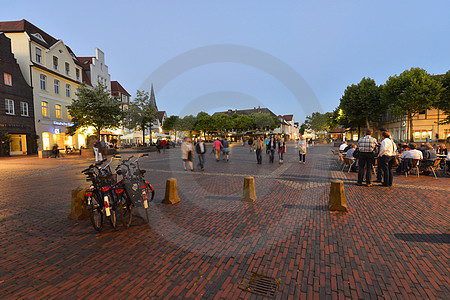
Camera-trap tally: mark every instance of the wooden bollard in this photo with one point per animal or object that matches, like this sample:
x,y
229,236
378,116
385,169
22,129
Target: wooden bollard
x,y
171,196
337,196
78,209
249,193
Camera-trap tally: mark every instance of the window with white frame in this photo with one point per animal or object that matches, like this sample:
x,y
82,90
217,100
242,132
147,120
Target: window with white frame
x,y
43,80
67,90
58,111
67,69
24,109
56,85
38,55
9,106
77,71
55,62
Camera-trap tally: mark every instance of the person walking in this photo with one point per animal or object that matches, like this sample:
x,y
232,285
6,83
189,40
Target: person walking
x,y
367,146
302,149
250,144
164,145
266,142
272,146
386,158
217,147
226,149
259,146
97,151
187,153
281,150
103,149
200,148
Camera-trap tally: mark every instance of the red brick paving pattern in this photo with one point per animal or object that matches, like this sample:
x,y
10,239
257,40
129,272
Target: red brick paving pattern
x,y
393,243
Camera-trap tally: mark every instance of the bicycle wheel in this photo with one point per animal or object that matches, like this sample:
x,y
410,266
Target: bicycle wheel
x,y
113,217
126,211
96,214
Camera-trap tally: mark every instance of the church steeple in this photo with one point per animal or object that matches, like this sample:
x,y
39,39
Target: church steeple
x,y
152,97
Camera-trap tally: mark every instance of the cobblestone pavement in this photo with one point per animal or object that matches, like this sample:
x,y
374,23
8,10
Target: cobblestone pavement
x,y
393,242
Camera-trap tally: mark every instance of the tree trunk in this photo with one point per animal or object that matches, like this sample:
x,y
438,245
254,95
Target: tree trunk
x,y
143,135
150,127
359,132
367,123
410,124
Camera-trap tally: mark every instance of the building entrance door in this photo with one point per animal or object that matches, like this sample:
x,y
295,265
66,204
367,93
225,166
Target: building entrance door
x,y
18,144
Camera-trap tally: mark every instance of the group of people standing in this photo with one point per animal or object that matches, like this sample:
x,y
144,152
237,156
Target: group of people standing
x,y
271,144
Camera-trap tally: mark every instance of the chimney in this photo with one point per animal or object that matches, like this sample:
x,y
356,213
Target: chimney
x,y
230,110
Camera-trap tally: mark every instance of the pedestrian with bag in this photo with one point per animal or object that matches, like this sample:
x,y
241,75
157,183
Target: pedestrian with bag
x,y
187,153
97,151
200,148
250,144
217,147
302,149
226,149
367,146
386,158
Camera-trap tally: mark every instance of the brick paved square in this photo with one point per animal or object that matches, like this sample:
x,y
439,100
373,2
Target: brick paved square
x,y
393,242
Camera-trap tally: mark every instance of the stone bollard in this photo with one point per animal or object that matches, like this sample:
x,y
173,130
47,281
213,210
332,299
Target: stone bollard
x,y
171,196
78,209
337,196
249,193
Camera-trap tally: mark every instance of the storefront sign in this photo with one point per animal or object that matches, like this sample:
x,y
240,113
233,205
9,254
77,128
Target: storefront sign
x,y
57,131
62,123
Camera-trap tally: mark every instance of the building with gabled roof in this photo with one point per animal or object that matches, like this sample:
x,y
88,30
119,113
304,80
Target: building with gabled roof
x,y
95,69
52,69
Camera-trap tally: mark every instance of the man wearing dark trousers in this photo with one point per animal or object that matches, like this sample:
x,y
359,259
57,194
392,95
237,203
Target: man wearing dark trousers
x,y
367,146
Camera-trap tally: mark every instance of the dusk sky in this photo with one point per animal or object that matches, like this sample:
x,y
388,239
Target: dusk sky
x,y
330,44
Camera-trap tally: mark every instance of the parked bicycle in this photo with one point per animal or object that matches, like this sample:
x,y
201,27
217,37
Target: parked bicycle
x,y
133,189
101,198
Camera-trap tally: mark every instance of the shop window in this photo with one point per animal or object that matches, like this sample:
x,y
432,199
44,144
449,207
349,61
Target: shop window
x,y
7,79
56,85
67,90
58,111
44,106
38,55
46,141
24,109
55,63
43,80
9,106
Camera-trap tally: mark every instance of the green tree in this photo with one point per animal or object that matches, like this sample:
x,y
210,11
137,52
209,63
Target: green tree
x,y
361,104
187,123
443,103
222,122
204,123
242,122
141,114
317,122
411,92
303,128
264,121
95,107
169,123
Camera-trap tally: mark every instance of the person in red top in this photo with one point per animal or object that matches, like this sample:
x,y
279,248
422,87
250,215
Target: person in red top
x,y
164,145
217,147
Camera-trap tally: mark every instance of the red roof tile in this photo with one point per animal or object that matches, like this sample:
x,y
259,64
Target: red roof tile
x,y
116,87
85,62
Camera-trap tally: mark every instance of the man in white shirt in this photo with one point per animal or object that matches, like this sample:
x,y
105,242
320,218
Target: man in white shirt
x,y
408,156
386,158
343,146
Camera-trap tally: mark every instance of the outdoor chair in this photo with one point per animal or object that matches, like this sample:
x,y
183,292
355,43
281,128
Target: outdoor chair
x,y
414,166
348,162
435,166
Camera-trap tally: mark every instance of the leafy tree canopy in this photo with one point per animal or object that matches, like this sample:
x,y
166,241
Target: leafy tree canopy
x,y
95,107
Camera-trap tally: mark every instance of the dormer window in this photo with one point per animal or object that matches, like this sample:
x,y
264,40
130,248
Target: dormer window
x,y
67,69
55,62
38,36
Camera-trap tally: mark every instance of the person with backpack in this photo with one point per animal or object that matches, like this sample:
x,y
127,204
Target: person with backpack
x,y
250,143
226,149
